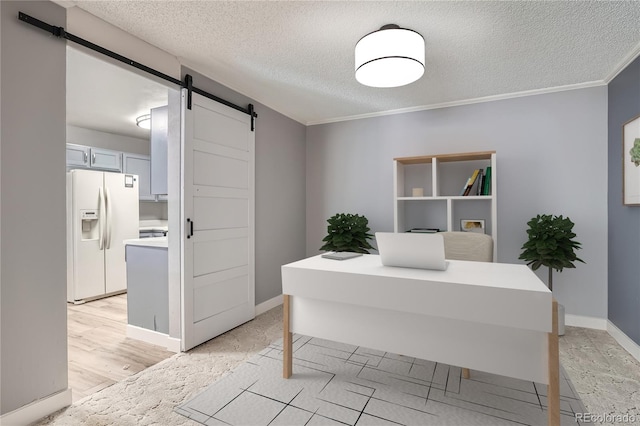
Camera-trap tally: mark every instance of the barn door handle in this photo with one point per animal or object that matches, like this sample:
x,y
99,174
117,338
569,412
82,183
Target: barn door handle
x,y
190,223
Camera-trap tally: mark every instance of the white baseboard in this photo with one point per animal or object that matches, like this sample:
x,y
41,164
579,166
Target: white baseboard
x,y
625,341
174,345
585,322
153,337
36,410
269,304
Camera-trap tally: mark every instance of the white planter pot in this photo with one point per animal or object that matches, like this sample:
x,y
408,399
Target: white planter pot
x,y
560,320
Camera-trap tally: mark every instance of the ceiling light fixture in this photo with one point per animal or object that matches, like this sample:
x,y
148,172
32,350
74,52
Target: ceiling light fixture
x,y
389,57
144,121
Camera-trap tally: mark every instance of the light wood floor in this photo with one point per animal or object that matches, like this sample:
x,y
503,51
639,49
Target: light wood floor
x,y
100,354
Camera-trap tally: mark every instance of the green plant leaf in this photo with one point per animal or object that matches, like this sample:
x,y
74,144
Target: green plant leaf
x,y
550,243
347,232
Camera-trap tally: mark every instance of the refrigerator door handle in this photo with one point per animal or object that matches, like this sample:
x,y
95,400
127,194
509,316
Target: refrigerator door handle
x,y
101,219
108,233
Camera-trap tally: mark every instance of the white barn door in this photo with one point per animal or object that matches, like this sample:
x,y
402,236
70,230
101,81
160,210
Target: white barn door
x,y
218,210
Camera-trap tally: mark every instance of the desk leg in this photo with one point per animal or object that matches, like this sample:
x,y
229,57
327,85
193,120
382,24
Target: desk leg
x,y
287,341
553,390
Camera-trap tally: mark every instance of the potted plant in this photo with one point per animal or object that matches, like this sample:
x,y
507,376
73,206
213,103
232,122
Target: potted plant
x,y
551,243
347,232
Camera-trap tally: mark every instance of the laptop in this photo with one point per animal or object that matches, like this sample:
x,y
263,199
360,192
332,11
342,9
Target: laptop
x,y
411,250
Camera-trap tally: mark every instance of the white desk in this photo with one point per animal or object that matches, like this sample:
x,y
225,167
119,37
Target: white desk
x,y
493,317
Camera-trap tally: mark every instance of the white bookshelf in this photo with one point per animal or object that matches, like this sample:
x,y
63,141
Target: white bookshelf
x,y
442,177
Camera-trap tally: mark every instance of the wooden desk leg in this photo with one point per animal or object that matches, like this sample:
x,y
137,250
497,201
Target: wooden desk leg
x,y
465,373
287,341
553,390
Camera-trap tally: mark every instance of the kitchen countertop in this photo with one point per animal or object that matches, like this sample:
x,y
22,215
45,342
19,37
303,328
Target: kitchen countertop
x,y
153,225
148,242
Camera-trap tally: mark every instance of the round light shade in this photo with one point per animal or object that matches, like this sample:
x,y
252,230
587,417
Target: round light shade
x,y
144,121
389,57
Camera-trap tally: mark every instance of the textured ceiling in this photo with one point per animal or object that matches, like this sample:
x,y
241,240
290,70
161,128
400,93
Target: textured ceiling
x,y
105,97
297,56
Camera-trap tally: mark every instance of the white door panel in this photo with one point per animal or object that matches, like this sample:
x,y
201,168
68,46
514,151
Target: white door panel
x,y
220,127
214,256
226,275
215,191
226,212
219,234
214,170
218,324
216,293
222,151
218,240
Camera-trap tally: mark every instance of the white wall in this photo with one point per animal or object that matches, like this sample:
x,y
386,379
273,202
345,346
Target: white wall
x,y
33,265
551,158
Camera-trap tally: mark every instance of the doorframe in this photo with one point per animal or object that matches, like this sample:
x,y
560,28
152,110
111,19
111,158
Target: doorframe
x,y
172,342
176,221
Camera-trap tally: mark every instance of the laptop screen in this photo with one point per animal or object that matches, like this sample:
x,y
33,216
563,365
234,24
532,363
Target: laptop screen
x,y
411,250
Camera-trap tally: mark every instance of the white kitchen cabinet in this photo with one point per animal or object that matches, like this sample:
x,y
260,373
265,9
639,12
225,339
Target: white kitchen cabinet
x,y
106,159
77,155
138,164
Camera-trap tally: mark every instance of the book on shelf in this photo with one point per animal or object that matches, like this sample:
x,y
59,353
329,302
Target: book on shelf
x,y
471,181
464,187
424,230
480,181
486,187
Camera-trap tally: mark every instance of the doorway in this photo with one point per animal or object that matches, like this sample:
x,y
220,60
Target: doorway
x,y
103,102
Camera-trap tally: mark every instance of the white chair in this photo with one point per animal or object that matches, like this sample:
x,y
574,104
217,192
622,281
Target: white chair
x,y
468,246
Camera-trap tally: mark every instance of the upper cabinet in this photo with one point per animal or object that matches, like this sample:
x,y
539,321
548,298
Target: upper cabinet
x,y
137,164
159,137
80,156
106,159
96,158
77,155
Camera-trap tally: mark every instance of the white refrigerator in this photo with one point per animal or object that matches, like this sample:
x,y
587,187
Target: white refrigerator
x,y
102,211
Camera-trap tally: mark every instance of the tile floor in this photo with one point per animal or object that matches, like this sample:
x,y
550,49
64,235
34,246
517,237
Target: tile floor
x,y
334,383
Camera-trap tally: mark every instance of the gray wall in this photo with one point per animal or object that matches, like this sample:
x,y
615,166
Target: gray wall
x,y
624,221
551,158
33,265
280,188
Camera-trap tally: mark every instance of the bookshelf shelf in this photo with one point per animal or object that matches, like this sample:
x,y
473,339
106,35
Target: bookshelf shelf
x,y
441,178
452,197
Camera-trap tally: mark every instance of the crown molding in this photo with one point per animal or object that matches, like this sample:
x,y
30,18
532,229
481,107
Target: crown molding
x,y
631,56
464,102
